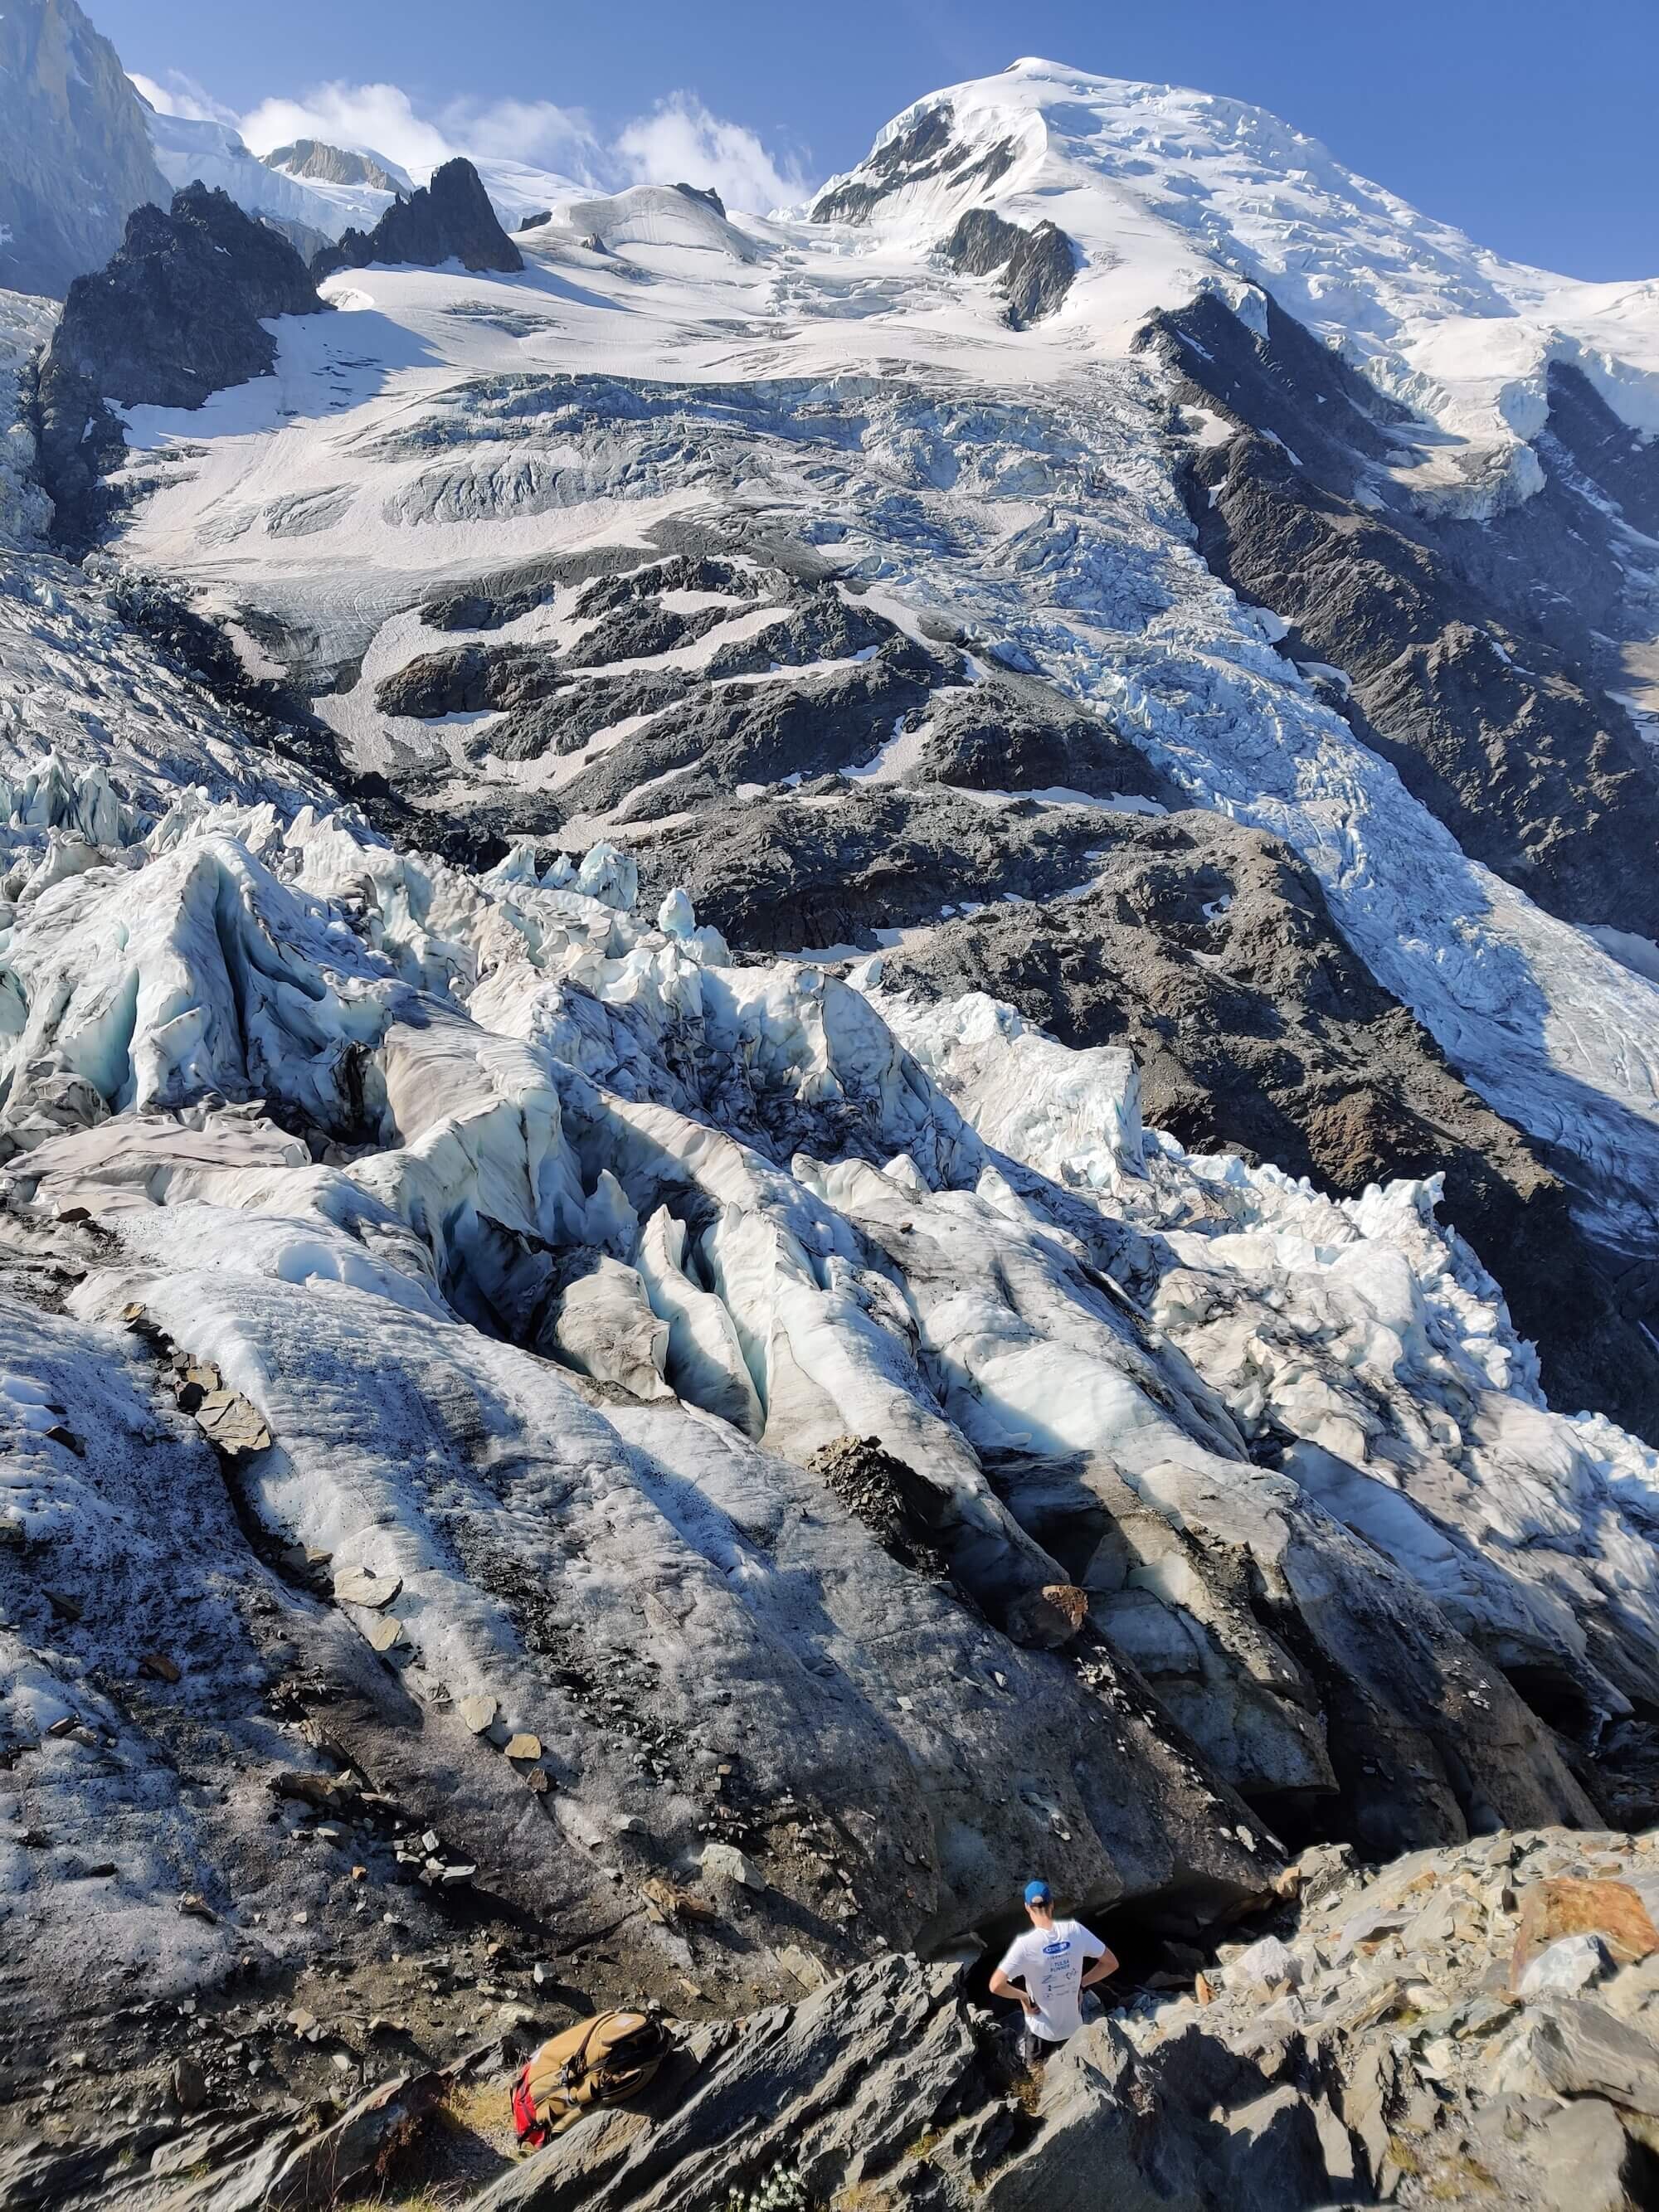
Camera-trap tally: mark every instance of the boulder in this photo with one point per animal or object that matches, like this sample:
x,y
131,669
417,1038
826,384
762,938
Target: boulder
x,y
1269,1967
1564,1967
1577,2048
1622,1911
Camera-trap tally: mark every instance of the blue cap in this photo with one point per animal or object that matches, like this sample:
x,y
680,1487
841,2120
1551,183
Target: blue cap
x,y
1036,1892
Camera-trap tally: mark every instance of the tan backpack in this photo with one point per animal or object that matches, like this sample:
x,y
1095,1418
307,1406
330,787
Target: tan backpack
x,y
602,2061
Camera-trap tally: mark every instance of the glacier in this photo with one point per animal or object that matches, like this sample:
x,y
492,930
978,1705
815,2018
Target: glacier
x,y
582,1377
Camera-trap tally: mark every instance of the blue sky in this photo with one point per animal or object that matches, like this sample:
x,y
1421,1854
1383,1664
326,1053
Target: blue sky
x,y
1530,125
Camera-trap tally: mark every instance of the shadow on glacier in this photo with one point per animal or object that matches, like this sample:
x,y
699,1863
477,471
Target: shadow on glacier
x,y
325,364
555,284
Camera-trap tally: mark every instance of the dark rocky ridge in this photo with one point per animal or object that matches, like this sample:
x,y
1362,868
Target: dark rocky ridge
x,y
178,313
1493,716
822,626
642,631
681,572
451,219
1621,462
762,733
835,862
1256,1028
1038,265
75,155
1015,733
463,679
927,149
565,719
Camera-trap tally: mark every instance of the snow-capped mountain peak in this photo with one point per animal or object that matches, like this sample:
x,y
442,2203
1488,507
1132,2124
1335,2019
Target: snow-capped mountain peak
x,y
1167,191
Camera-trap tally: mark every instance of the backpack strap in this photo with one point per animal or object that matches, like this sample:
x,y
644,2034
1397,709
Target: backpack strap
x,y
575,2066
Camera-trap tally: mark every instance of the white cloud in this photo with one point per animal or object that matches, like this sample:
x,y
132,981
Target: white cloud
x,y
534,131
178,95
376,119
681,141
382,119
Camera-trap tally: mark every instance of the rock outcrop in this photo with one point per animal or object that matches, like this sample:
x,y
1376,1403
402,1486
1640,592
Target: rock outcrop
x,y
1037,266
1490,707
179,313
450,219
1372,2047
921,146
335,165
75,155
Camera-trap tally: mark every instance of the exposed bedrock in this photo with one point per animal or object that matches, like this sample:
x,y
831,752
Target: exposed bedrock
x,y
1207,948
75,158
333,165
180,312
450,219
1492,716
1543,781
641,632
564,720
464,680
681,572
760,735
835,862
928,147
821,626
1037,266
1371,2044
1016,734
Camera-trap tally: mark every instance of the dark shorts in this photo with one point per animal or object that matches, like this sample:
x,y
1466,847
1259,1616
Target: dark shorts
x,y
1035,2050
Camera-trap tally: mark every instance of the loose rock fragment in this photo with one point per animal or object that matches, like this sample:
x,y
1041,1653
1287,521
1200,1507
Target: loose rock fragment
x,y
232,1423
1564,1967
730,1864
362,1586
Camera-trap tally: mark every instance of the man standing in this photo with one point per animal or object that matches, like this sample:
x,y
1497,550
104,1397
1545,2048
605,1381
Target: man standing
x,y
1057,1960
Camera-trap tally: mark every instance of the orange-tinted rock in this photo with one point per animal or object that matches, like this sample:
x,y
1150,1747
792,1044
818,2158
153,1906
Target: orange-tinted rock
x,y
1623,1913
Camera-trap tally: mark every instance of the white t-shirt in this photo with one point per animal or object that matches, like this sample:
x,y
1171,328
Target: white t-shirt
x,y
1050,1962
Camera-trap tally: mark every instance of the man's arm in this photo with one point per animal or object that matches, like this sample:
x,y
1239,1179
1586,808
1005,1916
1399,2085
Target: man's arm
x,y
1098,1970
1002,1987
